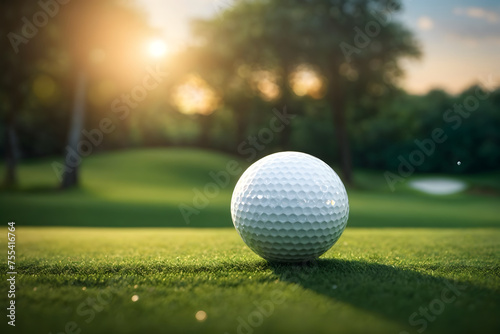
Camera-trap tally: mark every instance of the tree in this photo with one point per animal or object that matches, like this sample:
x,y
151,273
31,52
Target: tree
x,y
356,44
101,39
20,46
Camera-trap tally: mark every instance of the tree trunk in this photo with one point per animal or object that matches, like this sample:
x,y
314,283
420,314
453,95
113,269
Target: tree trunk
x,y
342,137
11,154
70,176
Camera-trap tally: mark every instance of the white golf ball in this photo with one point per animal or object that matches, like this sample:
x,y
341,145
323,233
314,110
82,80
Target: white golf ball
x,y
289,207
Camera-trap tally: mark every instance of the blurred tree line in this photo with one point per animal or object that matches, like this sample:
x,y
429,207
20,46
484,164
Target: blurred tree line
x,y
334,66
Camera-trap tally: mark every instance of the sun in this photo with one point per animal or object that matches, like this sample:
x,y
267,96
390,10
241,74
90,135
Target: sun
x,y
157,48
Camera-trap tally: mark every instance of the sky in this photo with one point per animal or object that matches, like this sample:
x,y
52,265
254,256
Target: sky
x,y
460,39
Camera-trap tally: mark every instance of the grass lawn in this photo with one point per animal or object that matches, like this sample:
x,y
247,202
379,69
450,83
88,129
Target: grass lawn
x,y
143,188
373,280
116,256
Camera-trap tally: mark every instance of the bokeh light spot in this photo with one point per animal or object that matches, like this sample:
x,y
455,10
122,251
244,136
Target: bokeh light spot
x,y
265,82
306,81
201,315
195,96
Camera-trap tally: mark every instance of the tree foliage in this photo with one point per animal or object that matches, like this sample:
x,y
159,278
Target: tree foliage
x,y
356,46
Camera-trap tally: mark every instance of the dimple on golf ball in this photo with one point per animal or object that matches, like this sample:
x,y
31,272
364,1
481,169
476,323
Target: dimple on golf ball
x,y
289,207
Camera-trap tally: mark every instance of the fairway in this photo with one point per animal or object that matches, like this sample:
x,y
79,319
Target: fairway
x,y
372,278
116,256
144,188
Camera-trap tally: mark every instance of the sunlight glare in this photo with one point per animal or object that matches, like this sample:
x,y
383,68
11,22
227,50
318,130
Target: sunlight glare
x,y
157,48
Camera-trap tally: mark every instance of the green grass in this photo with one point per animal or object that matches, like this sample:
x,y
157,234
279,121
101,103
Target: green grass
x,y
400,253
143,188
373,280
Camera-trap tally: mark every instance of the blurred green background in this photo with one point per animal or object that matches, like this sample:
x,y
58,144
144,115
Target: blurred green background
x,y
336,67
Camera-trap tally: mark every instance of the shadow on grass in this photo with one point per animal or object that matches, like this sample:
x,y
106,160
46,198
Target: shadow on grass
x,y
417,301
414,300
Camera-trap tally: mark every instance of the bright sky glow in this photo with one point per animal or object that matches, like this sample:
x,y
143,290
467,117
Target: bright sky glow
x,y
460,38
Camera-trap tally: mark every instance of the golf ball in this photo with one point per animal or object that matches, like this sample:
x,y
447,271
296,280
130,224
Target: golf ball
x,y
289,207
